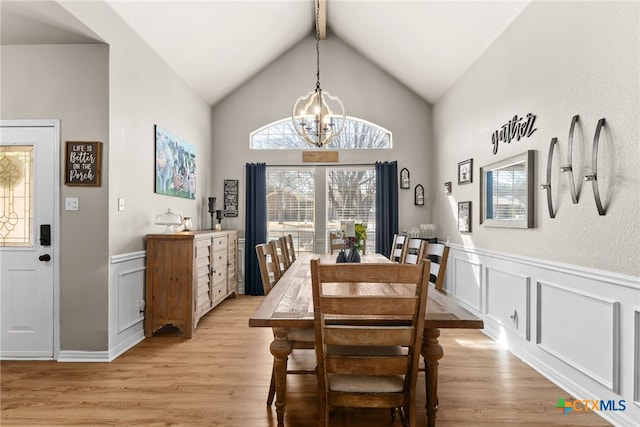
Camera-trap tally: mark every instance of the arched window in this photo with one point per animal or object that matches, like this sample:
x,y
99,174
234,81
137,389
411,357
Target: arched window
x,y
357,134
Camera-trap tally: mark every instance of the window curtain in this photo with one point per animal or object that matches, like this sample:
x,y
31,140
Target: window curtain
x,y
386,205
255,227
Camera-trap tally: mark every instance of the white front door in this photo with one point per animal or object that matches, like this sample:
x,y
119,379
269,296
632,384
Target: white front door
x,y
29,159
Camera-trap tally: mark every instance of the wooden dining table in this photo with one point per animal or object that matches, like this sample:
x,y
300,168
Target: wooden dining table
x,y
290,305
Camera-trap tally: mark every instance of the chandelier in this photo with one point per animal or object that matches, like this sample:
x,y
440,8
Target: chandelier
x,y
314,114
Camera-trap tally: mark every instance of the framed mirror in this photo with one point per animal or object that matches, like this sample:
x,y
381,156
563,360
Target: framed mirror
x,y
506,192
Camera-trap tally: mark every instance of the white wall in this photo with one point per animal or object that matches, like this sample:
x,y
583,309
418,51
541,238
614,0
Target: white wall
x,y
144,91
558,59
573,280
367,93
112,93
70,83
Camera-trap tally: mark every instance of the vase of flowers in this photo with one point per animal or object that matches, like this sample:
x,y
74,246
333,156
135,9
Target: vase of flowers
x,y
353,244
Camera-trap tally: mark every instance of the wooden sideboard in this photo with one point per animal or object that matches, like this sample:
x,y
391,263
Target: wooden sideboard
x,y
187,274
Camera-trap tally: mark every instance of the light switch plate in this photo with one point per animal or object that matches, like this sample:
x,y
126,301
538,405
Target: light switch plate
x,y
71,204
120,204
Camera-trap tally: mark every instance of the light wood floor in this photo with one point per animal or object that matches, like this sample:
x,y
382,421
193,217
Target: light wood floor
x,y
221,378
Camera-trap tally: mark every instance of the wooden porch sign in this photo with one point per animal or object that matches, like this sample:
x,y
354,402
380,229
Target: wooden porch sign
x,y
82,164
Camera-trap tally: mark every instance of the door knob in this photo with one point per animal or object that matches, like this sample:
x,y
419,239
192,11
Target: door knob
x,y
45,257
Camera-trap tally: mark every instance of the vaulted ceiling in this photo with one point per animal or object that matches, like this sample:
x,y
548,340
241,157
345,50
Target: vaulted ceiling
x,y
216,45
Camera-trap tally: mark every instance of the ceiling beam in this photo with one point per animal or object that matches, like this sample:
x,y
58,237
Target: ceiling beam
x,y
321,13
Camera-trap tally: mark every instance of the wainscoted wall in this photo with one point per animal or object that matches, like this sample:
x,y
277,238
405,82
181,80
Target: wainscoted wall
x,y
577,326
126,309
126,302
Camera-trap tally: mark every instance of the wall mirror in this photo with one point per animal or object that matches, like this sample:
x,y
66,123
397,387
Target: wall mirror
x,y
506,192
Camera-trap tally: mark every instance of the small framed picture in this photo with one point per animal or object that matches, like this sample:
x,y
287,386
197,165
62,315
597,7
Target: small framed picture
x,y
465,172
230,197
447,187
405,182
419,195
464,217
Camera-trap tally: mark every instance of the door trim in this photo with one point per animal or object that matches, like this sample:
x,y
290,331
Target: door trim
x,y
55,124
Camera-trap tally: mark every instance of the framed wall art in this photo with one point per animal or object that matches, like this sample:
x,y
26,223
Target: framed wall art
x,y
82,164
405,182
465,172
419,195
175,166
464,217
230,197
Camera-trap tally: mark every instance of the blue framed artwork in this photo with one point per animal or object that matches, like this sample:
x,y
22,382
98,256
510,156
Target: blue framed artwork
x,y
175,166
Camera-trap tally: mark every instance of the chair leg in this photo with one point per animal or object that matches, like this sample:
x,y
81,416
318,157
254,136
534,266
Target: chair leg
x,y
272,388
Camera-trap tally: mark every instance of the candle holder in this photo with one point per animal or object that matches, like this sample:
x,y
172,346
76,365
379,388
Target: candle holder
x,y
219,216
212,208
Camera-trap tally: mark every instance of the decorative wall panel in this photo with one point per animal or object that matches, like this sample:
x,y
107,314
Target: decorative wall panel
x,y
508,301
558,322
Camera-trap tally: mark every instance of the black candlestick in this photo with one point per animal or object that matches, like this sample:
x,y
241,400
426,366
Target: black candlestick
x,y
212,208
219,215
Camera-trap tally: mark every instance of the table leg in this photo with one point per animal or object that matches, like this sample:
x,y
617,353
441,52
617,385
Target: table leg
x,y
280,348
432,352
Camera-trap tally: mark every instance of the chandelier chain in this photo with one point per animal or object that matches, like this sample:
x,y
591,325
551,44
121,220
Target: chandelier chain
x,y
318,44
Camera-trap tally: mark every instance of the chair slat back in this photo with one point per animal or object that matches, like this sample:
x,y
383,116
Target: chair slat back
x,y
398,248
291,249
336,242
269,266
438,254
416,249
279,248
362,322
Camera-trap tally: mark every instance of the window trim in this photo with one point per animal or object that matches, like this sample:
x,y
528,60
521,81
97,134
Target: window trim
x,y
307,146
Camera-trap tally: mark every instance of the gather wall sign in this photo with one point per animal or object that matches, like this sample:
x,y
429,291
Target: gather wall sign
x,y
514,129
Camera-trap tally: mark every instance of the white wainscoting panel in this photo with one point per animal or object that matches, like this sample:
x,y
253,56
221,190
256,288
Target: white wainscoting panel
x,y
126,302
467,281
557,321
584,324
508,300
636,356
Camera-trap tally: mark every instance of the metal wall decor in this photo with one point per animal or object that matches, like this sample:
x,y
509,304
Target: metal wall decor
x,y
447,187
405,182
593,176
569,167
514,129
547,185
419,195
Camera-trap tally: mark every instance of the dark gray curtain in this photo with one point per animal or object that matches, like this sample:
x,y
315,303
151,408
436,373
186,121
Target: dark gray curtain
x,y
386,205
255,227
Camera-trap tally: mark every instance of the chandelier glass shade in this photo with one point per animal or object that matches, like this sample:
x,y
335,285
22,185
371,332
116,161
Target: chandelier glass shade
x,y
318,116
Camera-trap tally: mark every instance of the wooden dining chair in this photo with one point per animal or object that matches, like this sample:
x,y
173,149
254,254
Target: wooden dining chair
x,y
336,242
437,254
362,360
281,253
290,247
414,252
398,248
299,338
269,265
